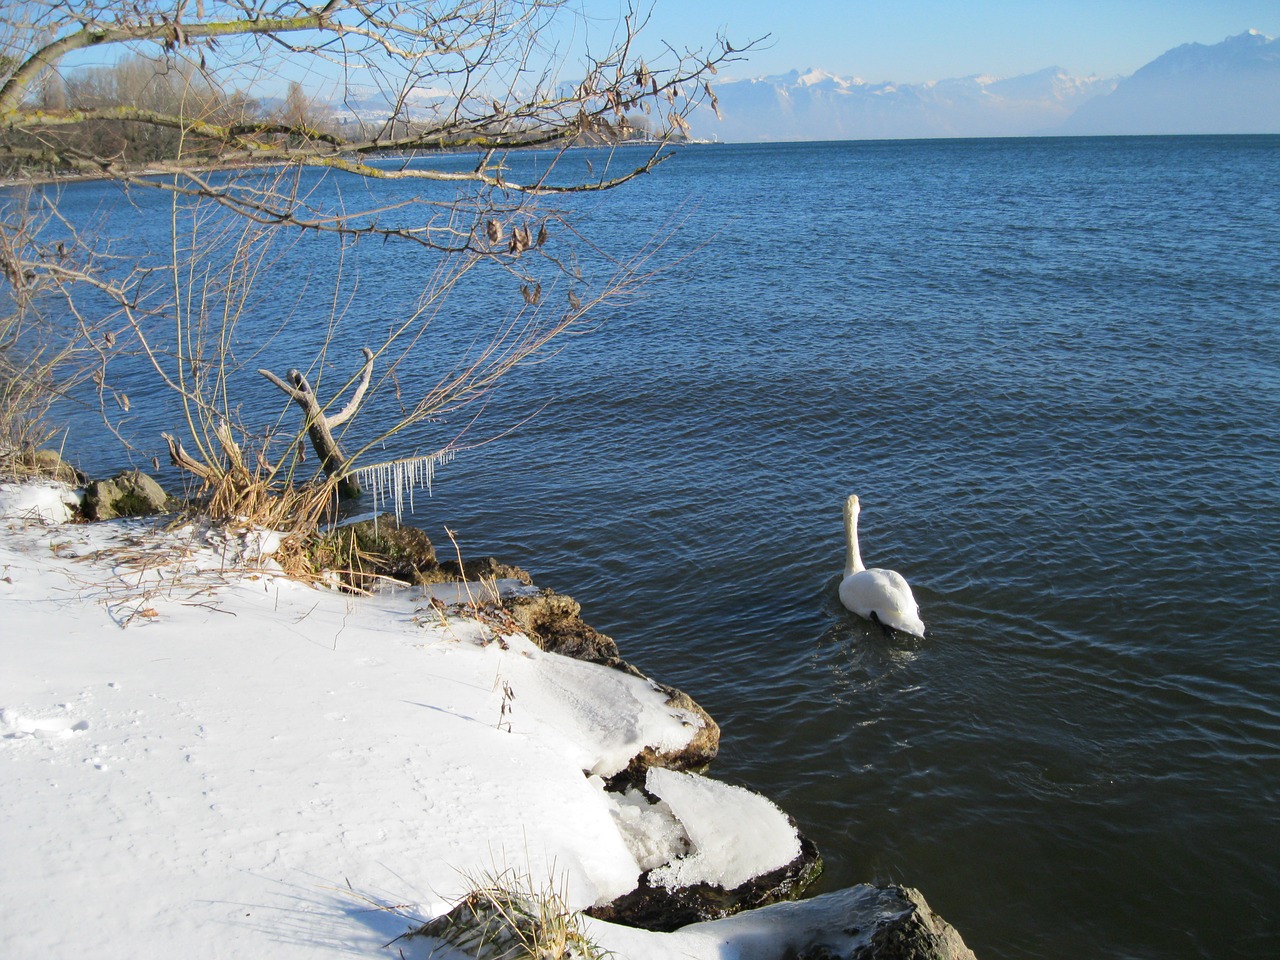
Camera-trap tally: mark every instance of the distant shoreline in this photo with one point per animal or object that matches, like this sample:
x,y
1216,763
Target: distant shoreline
x,y
47,179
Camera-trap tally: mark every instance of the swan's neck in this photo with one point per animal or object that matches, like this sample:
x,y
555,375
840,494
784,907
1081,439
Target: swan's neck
x,y
853,557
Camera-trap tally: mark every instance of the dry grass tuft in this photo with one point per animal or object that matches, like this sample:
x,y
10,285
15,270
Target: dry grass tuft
x,y
297,558
340,554
293,509
235,489
505,917
25,396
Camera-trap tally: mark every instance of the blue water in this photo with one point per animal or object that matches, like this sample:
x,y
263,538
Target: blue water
x,y
1051,370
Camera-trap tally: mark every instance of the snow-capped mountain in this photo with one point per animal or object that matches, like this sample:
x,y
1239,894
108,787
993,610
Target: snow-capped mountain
x,y
1229,87
1233,86
815,105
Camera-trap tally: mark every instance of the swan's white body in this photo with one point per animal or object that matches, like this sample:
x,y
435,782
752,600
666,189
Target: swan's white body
x,y
881,595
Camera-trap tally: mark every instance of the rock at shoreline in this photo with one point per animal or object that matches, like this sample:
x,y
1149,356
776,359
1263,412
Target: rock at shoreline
x,y
889,923
554,622
651,906
383,547
706,850
694,756
49,463
864,922
483,568
130,493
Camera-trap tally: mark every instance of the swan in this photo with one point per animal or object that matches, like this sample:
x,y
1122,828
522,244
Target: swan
x,y
880,595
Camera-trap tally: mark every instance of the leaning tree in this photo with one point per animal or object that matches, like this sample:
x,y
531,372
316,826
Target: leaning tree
x,y
247,116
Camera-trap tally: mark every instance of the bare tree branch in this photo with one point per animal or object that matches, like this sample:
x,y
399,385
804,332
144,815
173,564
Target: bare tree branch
x,y
320,426
419,89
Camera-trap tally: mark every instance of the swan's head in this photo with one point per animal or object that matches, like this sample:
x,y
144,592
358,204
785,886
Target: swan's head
x,y
851,507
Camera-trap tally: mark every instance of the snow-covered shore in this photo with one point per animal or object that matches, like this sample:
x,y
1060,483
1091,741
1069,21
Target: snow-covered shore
x,y
209,760
203,758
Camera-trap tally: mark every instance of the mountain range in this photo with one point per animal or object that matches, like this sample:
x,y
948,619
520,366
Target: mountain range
x,y
1228,87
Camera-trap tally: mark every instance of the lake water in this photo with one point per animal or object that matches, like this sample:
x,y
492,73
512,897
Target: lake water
x,y
1051,370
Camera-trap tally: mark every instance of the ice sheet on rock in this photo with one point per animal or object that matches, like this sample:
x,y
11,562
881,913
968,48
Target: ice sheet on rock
x,y
650,830
735,834
456,593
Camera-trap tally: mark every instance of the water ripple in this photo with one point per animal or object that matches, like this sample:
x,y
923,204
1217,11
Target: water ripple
x,y
1051,369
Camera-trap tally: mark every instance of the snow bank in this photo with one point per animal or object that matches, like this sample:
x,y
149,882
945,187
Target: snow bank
x,y
46,501
206,759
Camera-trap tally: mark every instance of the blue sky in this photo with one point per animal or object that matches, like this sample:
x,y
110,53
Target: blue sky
x,y
911,41
908,41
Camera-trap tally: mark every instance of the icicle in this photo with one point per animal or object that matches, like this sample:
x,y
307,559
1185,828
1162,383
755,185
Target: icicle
x,y
396,480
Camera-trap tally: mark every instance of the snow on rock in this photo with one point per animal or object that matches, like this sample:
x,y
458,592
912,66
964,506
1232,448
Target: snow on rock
x,y
46,501
703,831
735,835
598,717
852,924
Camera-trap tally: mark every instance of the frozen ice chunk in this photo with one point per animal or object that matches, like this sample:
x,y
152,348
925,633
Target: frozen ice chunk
x,y
651,831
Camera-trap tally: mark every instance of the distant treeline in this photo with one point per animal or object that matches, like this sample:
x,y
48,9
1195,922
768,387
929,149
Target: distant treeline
x,y
143,112
74,114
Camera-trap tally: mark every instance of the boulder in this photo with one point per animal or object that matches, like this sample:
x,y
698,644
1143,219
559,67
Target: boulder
x,y
654,907
695,756
49,463
484,568
384,547
128,494
554,622
888,923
